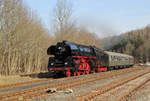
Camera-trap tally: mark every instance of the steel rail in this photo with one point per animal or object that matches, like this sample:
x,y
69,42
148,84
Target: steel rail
x,y
101,90
63,85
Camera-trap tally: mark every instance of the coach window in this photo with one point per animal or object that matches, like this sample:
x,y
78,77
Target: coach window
x,y
111,57
114,58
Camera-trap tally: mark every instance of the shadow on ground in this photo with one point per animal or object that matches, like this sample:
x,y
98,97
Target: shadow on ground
x,y
41,75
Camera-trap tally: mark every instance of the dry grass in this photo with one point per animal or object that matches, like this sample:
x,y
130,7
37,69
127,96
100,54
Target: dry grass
x,y
4,80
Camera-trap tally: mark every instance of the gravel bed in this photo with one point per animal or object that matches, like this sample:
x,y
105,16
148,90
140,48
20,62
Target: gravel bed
x,y
86,87
34,85
44,83
113,94
141,94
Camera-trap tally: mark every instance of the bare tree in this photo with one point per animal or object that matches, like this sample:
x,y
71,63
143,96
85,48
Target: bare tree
x,y
65,28
23,39
62,17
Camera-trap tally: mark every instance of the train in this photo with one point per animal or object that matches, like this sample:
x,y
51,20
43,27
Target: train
x,y
72,59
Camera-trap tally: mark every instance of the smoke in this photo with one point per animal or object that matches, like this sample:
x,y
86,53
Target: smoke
x,y
101,27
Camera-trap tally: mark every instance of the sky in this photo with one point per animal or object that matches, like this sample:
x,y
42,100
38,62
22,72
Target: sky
x,y
103,17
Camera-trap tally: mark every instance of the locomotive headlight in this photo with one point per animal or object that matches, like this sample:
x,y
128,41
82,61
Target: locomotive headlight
x,y
52,63
66,63
59,47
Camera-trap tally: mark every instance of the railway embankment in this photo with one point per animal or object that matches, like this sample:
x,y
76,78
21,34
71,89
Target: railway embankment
x,y
99,86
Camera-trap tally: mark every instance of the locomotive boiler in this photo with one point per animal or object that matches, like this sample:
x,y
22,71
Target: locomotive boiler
x,y
69,58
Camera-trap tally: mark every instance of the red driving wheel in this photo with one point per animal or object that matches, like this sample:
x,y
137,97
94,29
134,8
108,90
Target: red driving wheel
x,y
83,73
78,73
68,74
74,74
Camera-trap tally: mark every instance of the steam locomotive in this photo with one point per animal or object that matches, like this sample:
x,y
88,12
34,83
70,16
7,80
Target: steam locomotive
x,y
71,59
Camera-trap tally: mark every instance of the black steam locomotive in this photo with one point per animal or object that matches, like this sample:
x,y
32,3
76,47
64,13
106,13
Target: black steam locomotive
x,y
75,59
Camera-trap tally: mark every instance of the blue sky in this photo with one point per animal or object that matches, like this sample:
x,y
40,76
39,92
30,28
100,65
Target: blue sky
x,y
104,17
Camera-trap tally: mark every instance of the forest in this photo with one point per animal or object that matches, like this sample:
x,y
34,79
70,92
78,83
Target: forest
x,y
135,43
24,39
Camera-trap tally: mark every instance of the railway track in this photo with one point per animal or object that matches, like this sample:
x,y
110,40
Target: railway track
x,y
29,82
38,91
23,83
126,94
102,90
